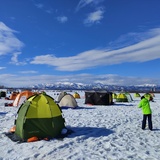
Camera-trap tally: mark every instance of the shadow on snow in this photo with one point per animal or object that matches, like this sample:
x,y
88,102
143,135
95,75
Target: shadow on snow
x,y
123,104
88,132
65,107
3,113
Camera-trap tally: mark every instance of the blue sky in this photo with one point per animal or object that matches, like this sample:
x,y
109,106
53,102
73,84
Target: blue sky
x,y
115,42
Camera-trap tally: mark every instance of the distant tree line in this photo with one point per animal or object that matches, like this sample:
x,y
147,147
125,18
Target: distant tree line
x,y
2,87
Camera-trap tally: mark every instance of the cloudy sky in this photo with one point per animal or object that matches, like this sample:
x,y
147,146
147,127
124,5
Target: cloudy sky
x,y
114,42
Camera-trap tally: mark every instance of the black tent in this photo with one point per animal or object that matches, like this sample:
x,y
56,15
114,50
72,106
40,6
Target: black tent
x,y
2,94
98,98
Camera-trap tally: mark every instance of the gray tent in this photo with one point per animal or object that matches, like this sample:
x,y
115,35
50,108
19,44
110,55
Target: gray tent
x,y
68,101
61,95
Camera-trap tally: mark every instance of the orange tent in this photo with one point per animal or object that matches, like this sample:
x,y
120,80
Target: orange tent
x,y
13,96
21,97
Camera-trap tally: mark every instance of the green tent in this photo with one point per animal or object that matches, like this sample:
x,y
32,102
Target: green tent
x,y
39,117
129,97
137,95
121,97
114,95
124,97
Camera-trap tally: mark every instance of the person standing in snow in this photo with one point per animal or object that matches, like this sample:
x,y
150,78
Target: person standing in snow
x,y
147,112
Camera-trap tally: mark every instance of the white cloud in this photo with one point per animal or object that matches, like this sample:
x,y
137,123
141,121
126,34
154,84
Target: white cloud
x,y
143,51
44,8
8,41
50,11
121,80
1,68
94,17
28,72
14,59
24,81
62,19
39,5
83,3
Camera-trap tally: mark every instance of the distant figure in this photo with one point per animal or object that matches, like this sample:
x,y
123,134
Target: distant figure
x,y
147,112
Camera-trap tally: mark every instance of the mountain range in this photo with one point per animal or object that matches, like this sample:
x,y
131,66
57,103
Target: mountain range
x,y
97,87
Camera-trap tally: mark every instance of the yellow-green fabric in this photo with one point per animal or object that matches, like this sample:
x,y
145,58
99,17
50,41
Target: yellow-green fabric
x,y
137,95
42,106
114,95
144,104
39,116
121,98
43,127
21,118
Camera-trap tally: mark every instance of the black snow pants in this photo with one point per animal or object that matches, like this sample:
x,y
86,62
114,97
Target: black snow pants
x,y
145,117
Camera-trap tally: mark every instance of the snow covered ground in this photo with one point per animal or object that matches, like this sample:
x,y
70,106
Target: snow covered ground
x,y
100,133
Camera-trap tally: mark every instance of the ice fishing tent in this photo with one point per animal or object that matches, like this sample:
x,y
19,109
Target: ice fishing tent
x,y
152,94
114,95
121,97
68,101
61,95
76,95
137,95
13,96
129,97
21,97
2,94
124,97
39,117
98,98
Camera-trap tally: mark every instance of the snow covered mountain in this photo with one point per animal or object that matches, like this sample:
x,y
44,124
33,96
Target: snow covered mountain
x,y
97,86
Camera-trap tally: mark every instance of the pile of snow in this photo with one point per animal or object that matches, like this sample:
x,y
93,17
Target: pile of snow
x,y
100,132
